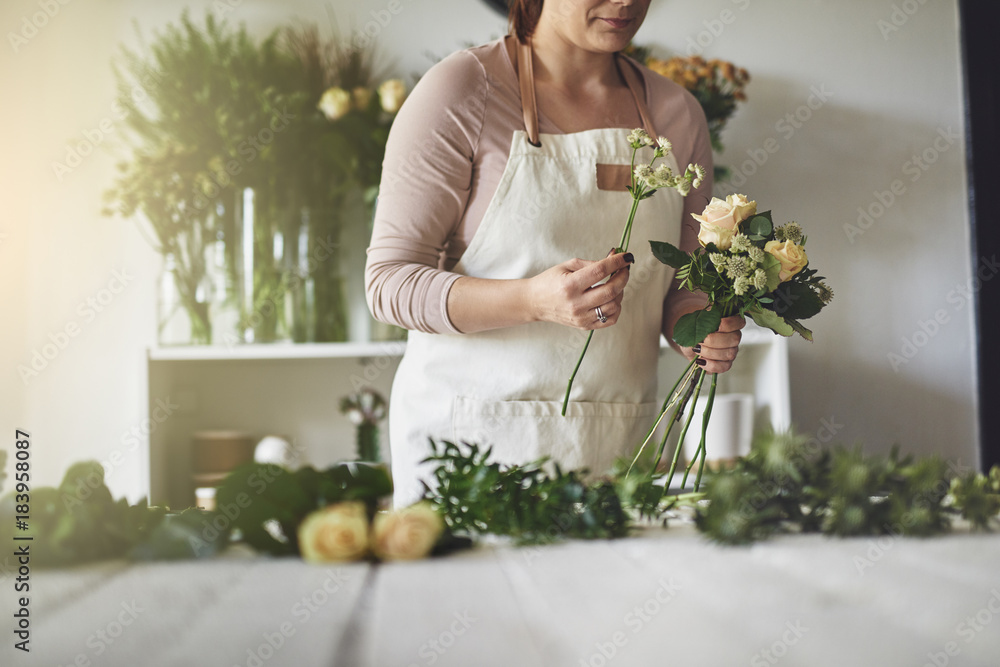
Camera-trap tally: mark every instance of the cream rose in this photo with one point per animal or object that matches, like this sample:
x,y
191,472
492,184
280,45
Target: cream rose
x,y
407,534
792,257
335,103
336,532
720,220
391,95
362,97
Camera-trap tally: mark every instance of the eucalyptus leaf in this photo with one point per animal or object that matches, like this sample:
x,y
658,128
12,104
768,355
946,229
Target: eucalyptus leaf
x,y
669,254
761,226
692,328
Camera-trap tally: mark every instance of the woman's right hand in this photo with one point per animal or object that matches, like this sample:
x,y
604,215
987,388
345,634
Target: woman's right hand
x,y
570,293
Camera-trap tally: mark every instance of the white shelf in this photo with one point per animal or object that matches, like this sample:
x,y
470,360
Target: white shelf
x,y
752,335
278,351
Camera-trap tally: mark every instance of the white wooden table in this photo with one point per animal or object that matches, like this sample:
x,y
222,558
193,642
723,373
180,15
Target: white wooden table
x,y
666,597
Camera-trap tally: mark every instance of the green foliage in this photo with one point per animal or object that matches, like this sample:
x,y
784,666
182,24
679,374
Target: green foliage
x,y
978,497
269,501
79,521
477,496
693,328
669,254
784,485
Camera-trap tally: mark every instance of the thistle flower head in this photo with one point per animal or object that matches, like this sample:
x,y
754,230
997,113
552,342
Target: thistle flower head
x,y
789,232
824,292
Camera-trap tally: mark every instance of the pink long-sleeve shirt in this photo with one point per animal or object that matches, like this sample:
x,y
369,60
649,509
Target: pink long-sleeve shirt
x,y
446,153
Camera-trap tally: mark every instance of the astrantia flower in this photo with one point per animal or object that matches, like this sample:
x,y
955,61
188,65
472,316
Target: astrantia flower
x,y
756,254
740,285
736,267
718,259
759,279
664,147
639,138
740,243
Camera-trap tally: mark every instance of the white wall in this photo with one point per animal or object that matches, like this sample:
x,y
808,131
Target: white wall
x,y
890,96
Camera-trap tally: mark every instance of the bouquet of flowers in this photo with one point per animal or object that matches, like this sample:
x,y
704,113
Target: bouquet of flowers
x,y
745,266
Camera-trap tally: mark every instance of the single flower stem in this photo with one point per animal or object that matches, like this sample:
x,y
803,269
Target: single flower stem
x,y
687,423
704,428
569,385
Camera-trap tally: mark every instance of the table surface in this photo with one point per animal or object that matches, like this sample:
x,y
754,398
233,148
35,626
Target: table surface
x,y
664,597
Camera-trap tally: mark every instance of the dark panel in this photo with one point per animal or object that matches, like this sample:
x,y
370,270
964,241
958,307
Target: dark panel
x,y
981,54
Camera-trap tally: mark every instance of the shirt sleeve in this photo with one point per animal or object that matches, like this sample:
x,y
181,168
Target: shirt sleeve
x,y
426,183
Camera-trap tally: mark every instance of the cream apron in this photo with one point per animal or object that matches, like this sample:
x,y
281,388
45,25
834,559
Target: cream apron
x,y
504,388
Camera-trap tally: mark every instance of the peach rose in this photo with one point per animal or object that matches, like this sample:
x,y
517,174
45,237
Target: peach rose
x,y
720,220
337,532
391,95
407,534
335,103
792,257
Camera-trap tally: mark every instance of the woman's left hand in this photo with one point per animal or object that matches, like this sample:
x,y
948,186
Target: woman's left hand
x,y
717,352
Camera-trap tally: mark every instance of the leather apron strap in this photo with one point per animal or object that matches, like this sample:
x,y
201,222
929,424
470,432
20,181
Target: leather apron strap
x,y
524,64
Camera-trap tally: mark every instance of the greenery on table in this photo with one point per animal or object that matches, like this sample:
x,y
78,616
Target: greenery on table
x,y
269,501
781,486
79,521
526,502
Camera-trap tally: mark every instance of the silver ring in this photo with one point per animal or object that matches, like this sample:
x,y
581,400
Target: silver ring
x,y
601,315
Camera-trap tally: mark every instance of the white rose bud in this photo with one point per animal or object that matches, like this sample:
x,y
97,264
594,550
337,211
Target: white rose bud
x,y
335,103
391,95
407,534
337,532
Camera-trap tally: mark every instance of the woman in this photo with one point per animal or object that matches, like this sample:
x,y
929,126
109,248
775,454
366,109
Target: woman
x,y
508,161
